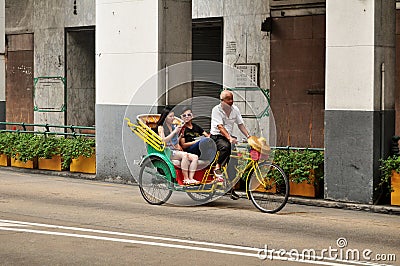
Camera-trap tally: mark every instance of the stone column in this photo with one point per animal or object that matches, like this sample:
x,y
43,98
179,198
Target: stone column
x,y
2,65
134,40
49,56
360,82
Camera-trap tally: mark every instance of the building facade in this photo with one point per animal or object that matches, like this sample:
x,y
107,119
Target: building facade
x,y
50,39
327,68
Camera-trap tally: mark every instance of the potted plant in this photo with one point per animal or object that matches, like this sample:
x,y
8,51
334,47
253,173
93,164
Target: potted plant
x,y
79,154
5,148
24,150
49,153
390,178
304,169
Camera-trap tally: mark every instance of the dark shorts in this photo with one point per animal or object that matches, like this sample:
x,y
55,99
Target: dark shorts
x,y
205,148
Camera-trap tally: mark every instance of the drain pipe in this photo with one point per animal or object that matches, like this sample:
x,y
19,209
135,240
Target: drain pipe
x,y
166,85
378,197
382,110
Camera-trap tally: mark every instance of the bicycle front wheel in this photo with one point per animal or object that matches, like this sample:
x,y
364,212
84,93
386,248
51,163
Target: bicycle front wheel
x,y
268,188
153,183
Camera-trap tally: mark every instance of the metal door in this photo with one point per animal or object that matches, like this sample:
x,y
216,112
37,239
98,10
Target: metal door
x,y
298,79
207,45
80,73
19,78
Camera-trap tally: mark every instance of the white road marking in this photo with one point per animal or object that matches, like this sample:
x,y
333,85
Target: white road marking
x,y
8,225
11,225
129,235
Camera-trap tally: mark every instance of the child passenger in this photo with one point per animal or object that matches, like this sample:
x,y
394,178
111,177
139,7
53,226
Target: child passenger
x,y
170,134
195,139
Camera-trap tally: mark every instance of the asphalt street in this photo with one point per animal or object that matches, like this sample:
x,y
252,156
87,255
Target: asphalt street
x,y
51,220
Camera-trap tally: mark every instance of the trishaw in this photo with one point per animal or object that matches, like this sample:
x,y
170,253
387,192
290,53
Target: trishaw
x,y
267,186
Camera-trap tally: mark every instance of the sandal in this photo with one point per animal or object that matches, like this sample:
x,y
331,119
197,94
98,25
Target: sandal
x,y
218,173
194,182
187,182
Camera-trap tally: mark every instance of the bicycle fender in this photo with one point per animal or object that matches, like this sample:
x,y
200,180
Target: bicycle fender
x,y
166,159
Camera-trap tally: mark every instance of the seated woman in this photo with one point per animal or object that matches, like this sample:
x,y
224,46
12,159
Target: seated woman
x,y
170,134
194,139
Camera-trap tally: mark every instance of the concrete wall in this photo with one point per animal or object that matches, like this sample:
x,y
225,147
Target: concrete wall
x,y
242,25
359,99
175,43
47,19
242,29
282,8
365,48
134,40
126,55
2,64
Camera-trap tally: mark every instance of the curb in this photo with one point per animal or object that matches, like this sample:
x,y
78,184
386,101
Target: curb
x,y
49,172
384,209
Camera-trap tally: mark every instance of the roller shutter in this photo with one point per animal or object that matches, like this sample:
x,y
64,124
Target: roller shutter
x,y
207,45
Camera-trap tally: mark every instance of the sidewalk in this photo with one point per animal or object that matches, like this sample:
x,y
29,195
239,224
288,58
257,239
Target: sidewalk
x,y
385,209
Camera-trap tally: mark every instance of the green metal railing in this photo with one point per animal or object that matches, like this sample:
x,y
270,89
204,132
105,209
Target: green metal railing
x,y
265,92
46,128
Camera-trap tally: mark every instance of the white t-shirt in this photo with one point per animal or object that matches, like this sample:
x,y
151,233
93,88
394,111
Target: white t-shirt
x,y
218,117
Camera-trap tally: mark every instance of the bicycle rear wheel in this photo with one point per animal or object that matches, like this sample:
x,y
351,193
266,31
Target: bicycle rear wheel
x,y
268,188
153,182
